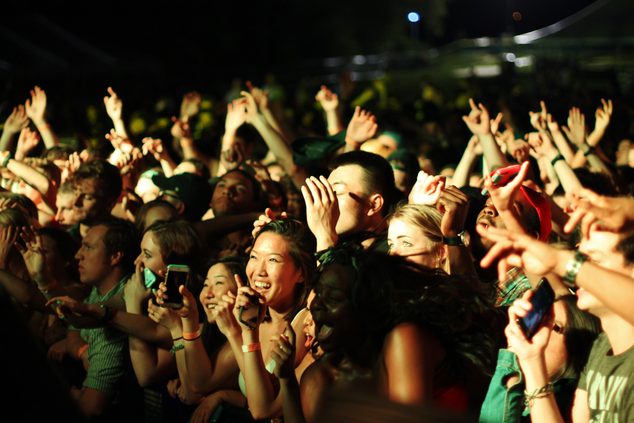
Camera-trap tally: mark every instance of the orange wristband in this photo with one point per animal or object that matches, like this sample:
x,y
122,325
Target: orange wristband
x,y
191,336
81,350
251,347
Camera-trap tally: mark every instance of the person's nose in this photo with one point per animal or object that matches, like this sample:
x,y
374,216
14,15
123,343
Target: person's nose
x,y
489,210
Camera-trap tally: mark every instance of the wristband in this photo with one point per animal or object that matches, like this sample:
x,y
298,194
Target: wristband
x,y
572,269
588,151
192,336
251,347
556,159
5,162
81,350
177,347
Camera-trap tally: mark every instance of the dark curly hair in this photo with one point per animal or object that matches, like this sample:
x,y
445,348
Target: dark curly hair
x,y
388,290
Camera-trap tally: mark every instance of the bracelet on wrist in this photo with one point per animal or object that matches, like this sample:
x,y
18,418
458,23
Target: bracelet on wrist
x,y
556,159
192,336
6,160
177,347
572,269
542,392
246,348
81,350
589,150
177,339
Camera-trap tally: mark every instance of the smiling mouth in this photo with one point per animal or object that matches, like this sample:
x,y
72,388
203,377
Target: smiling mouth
x,y
262,285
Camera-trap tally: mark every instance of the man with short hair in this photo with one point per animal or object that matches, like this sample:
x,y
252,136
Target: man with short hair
x,y
105,260
353,202
97,187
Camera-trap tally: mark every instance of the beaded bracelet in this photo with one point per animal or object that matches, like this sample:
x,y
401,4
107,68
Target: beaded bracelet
x,y
542,392
177,347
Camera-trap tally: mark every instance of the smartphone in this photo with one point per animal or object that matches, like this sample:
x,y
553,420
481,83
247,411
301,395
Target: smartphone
x,y
149,279
249,315
502,176
177,275
542,301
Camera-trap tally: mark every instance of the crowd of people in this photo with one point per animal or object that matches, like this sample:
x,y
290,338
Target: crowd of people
x,y
326,276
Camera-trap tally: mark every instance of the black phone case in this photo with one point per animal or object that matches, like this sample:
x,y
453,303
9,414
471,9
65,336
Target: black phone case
x,y
542,300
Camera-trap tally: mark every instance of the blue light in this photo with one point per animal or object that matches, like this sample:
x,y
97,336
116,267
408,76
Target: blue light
x,y
413,17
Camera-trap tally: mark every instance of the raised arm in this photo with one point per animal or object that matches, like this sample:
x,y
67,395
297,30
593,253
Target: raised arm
x,y
479,124
114,108
16,122
329,102
362,127
36,111
281,150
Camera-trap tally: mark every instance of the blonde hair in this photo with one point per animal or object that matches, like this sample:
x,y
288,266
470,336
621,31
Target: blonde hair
x,y
428,220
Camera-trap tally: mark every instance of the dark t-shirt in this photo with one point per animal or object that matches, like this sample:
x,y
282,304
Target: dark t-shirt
x,y
606,380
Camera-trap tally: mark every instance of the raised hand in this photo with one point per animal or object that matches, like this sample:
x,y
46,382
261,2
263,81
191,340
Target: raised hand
x,y
361,128
427,189
190,105
322,210
236,115
454,205
265,218
541,144
283,353
615,214
248,298
328,100
603,115
223,314
252,111
519,149
576,129
518,250
119,141
135,293
16,121
180,129
27,141
474,146
539,119
36,106
526,349
153,146
503,197
32,252
478,120
114,105
164,316
495,123
260,96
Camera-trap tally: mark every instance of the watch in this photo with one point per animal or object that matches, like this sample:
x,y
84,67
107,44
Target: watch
x,y
461,239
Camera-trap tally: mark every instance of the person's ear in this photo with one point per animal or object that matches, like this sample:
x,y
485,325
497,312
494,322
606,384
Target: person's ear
x,y
116,258
376,202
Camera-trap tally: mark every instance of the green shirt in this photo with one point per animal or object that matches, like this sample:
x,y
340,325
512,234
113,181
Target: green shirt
x,y
107,348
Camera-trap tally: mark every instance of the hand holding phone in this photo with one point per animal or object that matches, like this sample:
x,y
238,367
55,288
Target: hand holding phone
x,y
542,301
249,316
177,275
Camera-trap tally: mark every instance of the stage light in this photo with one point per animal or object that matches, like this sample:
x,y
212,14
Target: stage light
x,y
413,17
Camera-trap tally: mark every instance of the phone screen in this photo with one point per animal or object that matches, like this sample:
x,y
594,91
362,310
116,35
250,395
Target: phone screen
x,y
176,276
542,301
149,278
